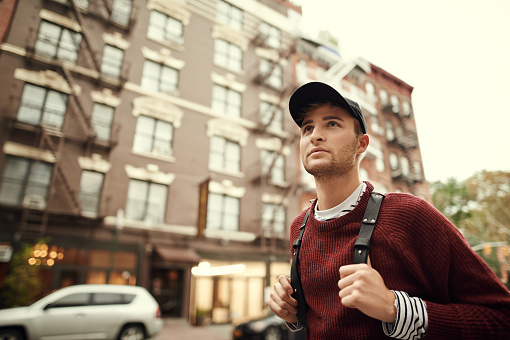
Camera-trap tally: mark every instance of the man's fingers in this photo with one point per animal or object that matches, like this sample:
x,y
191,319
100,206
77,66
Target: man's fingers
x,y
285,283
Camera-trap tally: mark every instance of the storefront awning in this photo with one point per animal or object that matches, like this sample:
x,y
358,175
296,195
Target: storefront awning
x,y
186,255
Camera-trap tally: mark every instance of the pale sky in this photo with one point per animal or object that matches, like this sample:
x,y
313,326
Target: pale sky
x,y
456,55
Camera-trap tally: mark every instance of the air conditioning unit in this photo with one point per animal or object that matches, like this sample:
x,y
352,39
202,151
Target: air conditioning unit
x,y
36,202
5,253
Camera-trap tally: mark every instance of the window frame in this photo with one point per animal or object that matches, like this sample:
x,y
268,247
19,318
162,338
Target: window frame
x,y
28,183
226,101
45,42
229,15
44,108
146,202
159,83
96,195
225,155
229,55
163,33
224,215
152,136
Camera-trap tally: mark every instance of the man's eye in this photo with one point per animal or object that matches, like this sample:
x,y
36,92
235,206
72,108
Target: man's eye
x,y
307,128
333,123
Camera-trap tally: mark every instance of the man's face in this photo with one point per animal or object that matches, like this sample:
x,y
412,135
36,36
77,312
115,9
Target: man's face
x,y
329,145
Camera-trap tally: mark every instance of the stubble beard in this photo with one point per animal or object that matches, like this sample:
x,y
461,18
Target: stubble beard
x,y
342,163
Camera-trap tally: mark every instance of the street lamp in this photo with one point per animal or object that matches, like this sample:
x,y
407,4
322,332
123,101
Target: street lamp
x,y
119,224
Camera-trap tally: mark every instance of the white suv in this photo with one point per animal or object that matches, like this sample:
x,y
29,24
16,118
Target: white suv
x,y
90,311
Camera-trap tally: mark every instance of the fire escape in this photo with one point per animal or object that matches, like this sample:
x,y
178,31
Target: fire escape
x,y
36,210
406,140
269,240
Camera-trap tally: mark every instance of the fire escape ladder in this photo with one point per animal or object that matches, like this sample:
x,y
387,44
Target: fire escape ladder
x,y
108,9
34,216
85,36
404,141
85,120
58,173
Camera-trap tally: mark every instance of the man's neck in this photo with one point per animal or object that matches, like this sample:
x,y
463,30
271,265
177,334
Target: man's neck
x,y
333,191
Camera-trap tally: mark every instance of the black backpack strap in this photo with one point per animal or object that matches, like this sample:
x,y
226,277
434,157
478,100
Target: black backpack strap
x,y
362,244
295,279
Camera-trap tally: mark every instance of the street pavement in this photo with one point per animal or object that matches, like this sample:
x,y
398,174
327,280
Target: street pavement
x,y
179,329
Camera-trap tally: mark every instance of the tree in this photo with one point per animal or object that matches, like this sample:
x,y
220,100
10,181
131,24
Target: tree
x,y
452,199
480,208
21,285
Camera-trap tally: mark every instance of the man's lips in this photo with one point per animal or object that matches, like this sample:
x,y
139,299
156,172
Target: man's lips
x,y
316,150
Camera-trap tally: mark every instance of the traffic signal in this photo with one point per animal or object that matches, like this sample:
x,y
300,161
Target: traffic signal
x,y
487,249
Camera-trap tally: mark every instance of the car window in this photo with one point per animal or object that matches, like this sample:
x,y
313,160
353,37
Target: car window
x,y
111,298
72,300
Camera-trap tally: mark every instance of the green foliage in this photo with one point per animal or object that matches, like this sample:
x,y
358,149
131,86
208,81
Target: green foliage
x,y
479,207
21,286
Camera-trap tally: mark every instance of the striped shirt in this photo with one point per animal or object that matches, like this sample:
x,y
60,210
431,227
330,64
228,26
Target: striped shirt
x,y
411,320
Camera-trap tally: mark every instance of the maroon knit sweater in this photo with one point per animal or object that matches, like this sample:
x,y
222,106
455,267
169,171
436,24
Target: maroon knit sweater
x,y
416,250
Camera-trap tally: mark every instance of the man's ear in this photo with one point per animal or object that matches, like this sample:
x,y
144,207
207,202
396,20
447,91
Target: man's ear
x,y
363,142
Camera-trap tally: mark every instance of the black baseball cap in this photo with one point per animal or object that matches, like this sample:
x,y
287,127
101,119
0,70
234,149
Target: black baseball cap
x,y
317,92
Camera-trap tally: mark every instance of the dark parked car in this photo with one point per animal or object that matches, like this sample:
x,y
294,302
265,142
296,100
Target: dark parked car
x,y
267,327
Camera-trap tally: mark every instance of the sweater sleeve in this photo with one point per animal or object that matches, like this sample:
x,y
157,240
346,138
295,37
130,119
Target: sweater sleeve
x,y
466,299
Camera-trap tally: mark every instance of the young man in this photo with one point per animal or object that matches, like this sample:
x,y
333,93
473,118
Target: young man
x,y
422,278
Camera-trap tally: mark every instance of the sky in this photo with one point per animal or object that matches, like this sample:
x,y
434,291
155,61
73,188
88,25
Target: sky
x,y
456,55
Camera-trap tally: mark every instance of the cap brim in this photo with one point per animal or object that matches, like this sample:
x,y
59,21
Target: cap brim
x,y
317,92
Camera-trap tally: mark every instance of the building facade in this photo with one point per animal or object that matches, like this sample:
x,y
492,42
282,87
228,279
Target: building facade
x,y
148,142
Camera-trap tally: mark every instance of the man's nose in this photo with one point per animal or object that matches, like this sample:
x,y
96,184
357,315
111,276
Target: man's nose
x,y
316,135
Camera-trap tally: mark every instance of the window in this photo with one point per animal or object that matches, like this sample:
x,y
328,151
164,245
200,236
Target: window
x,y
111,66
383,95
57,42
121,11
91,186
273,220
229,15
405,166
226,101
272,73
301,71
222,212
228,55
406,107
80,3
274,164
395,103
73,300
163,27
394,162
390,134
102,119
111,299
271,34
146,201
271,115
153,136
224,154
40,105
159,78
22,177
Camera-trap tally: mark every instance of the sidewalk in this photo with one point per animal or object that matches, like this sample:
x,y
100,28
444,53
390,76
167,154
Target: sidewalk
x,y
179,329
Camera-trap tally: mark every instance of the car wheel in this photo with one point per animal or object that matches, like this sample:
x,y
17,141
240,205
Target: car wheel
x,y
131,332
272,333
11,334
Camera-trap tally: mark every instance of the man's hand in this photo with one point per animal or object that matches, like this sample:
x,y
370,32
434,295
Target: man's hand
x,y
281,301
362,287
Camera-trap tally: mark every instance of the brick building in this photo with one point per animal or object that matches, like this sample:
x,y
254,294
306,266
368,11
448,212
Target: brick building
x,y
140,138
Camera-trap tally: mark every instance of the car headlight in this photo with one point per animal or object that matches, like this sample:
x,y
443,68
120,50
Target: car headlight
x,y
258,326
